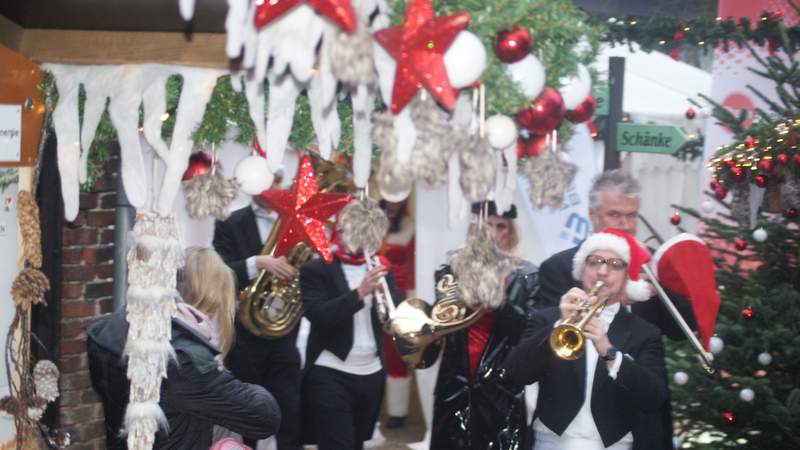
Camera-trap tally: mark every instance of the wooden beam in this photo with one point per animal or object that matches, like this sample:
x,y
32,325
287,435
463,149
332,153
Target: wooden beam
x,y
124,47
10,33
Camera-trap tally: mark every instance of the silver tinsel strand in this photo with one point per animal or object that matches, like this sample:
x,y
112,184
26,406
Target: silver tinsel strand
x,y
45,379
481,269
550,177
363,225
209,194
477,169
351,56
790,191
740,204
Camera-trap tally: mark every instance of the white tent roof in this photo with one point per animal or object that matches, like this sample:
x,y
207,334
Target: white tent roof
x,y
656,86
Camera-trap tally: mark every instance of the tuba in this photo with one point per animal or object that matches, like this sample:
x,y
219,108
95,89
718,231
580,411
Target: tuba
x,y
567,339
271,308
417,328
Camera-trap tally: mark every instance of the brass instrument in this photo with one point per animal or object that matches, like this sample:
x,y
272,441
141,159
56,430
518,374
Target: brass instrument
x,y
416,325
567,339
270,308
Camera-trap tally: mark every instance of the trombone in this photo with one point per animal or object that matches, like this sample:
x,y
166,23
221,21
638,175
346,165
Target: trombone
x,y
567,340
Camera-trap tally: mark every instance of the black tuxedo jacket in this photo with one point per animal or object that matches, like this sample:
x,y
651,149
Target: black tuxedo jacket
x,y
237,239
641,384
555,278
329,305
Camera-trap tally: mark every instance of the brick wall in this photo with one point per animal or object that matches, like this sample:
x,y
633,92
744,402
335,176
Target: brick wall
x,y
86,290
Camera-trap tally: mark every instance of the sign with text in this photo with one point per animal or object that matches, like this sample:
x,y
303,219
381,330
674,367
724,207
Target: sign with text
x,y
648,138
10,132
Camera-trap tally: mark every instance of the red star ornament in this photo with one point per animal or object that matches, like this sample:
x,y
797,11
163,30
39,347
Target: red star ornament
x,y
339,12
418,47
303,212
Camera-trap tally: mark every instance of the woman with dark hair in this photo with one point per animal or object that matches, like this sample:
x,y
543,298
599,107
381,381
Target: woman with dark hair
x,y
197,392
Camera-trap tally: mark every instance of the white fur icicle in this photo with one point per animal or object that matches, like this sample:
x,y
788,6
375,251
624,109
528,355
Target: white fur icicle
x,y
283,92
235,27
67,128
186,8
322,99
457,204
362,99
254,91
154,99
197,87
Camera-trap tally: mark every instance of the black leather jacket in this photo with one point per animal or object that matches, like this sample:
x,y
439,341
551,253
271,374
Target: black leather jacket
x,y
483,411
195,396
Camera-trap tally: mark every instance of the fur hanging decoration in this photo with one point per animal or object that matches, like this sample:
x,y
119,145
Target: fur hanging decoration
x,y
153,259
394,180
481,269
30,229
209,194
363,225
351,56
477,170
29,287
437,139
790,191
740,204
45,379
550,177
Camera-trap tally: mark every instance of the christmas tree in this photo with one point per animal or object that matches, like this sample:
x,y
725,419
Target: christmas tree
x,y
753,399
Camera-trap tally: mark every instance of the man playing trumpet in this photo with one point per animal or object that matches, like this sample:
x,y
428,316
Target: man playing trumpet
x,y
591,402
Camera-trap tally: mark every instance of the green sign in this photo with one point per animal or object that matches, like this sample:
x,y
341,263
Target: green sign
x,y
600,94
644,138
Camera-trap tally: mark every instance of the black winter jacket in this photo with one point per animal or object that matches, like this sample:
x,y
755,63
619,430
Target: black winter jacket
x,y
195,396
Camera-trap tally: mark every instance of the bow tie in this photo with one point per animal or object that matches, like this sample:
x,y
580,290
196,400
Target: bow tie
x,y
608,314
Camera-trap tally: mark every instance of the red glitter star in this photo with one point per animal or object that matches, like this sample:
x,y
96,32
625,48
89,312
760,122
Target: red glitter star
x,y
303,212
418,46
339,12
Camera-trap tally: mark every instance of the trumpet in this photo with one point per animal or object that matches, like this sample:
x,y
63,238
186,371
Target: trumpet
x,y
567,339
384,303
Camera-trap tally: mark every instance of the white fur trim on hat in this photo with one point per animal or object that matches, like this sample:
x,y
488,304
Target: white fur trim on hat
x,y
638,291
599,241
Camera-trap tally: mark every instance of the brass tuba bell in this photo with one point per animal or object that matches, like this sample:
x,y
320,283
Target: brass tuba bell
x,y
417,328
567,339
270,308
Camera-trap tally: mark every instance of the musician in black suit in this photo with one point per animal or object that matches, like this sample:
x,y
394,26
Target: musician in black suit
x,y
343,378
593,402
271,363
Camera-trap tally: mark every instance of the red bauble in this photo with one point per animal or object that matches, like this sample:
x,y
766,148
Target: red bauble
x,y
746,313
783,159
760,180
303,212
720,192
728,418
584,111
796,159
730,163
675,53
418,46
765,165
791,213
532,147
544,114
675,219
512,45
339,12
678,36
775,15
740,244
714,183
593,130
738,174
199,163
690,113
750,141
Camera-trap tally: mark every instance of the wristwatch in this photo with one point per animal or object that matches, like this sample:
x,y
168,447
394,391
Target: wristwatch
x,y
611,354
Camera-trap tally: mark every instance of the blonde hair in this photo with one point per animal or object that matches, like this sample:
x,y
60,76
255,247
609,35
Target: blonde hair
x,y
208,284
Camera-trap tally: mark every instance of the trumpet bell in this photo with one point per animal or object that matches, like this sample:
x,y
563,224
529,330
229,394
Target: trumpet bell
x,y
567,341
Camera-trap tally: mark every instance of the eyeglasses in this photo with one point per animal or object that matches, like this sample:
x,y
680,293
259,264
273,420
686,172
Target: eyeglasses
x,y
595,262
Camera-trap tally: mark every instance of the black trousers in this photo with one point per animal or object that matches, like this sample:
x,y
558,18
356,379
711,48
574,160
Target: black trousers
x,y
275,365
343,407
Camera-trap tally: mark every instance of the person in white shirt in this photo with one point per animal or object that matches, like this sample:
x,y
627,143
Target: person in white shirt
x,y
592,402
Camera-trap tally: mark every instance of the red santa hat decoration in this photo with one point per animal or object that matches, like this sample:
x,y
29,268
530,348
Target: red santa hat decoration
x,y
628,249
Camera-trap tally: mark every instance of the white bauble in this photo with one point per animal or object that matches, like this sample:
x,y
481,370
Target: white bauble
x,y
760,235
764,359
708,206
680,378
465,60
528,73
253,175
747,394
715,344
575,88
500,131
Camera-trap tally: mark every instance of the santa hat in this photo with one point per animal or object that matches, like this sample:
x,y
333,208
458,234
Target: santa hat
x,y
628,249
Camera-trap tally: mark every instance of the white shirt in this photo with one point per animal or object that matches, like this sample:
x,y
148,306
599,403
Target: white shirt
x,y
363,357
582,433
265,220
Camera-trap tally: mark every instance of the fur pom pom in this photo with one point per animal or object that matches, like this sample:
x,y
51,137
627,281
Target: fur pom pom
x,y
363,225
477,170
351,56
209,194
481,269
394,180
